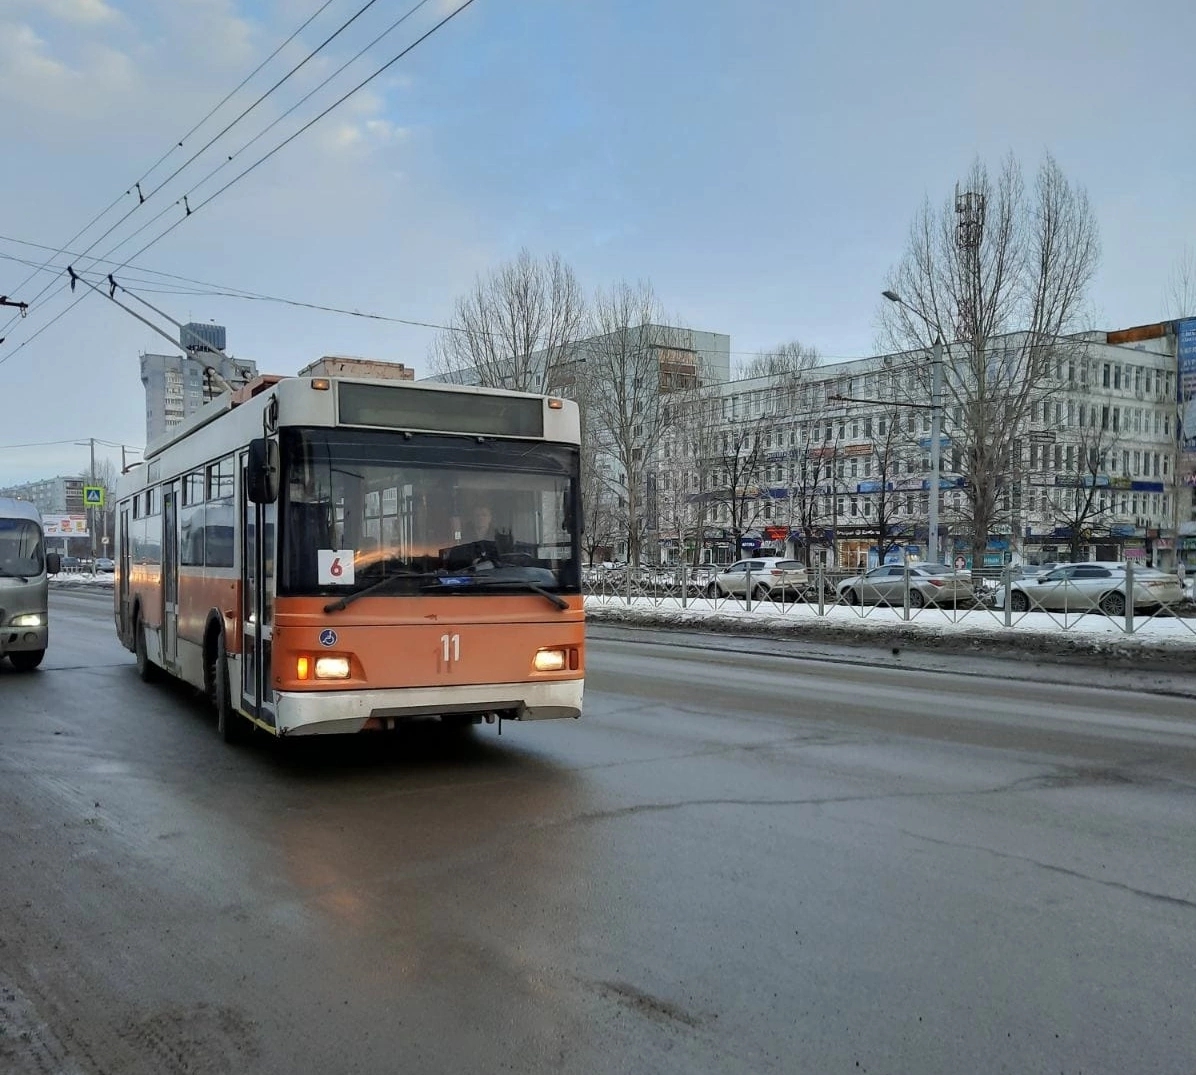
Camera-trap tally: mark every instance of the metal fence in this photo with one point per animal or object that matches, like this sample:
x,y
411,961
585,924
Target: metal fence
x,y
1130,600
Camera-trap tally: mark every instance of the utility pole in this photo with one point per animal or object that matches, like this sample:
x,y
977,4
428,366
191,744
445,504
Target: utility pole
x,y
936,420
91,527
936,448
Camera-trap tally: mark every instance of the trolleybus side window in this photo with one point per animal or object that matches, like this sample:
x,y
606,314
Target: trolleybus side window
x,y
191,522
219,516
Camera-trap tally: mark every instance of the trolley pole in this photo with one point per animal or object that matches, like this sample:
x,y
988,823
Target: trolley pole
x,y
91,522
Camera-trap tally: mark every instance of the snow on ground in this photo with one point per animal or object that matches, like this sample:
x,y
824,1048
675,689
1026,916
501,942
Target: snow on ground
x,y
81,578
1162,630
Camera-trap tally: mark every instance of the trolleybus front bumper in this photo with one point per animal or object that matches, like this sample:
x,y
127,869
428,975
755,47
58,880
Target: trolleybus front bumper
x,y
337,712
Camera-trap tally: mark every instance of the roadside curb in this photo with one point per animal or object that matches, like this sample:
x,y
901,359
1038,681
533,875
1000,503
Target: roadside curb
x,y
1117,652
86,587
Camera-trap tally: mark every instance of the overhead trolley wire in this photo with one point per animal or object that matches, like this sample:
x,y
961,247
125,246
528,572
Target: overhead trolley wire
x,y
241,175
177,145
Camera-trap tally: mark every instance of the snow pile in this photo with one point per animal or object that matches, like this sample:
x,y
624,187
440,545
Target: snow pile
x,y
83,578
1030,630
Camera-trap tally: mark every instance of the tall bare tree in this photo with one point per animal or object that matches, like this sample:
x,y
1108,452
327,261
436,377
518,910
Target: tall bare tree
x,y
1179,298
516,327
811,487
999,274
890,451
1076,501
632,362
788,360
738,470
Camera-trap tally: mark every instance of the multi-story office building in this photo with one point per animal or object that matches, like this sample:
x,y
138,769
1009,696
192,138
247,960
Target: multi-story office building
x,y
833,463
176,386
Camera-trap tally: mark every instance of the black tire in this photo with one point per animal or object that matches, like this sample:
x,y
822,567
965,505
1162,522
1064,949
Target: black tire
x,y
853,596
27,660
1113,604
712,590
760,593
916,599
1019,602
146,668
232,727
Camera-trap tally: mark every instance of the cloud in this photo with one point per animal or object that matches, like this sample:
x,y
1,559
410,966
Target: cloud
x,y
38,82
81,12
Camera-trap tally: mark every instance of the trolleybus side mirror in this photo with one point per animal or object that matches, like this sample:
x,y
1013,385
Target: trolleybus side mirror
x,y
263,471
53,563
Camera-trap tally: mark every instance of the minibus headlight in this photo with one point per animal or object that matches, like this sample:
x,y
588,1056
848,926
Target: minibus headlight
x,y
30,619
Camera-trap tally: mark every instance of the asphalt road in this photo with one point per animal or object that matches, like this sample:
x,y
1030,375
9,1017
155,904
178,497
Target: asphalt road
x,y
733,863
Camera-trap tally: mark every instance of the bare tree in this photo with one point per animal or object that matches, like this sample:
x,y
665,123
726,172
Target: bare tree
x,y
1179,298
1077,501
516,328
999,275
631,363
811,487
789,360
738,469
888,457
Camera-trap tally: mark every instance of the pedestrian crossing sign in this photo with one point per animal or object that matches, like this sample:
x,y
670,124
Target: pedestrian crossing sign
x,y
93,496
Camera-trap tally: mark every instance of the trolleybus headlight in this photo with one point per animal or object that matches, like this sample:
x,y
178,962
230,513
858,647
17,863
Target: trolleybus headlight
x,y
31,619
549,660
332,668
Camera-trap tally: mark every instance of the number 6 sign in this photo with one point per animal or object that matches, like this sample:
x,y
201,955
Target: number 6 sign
x,y
334,567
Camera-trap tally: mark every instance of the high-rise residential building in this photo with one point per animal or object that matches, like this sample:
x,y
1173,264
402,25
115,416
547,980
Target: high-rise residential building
x,y
51,496
176,386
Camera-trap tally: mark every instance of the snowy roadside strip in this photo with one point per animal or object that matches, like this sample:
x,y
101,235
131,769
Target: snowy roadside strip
x,y
81,581
1163,644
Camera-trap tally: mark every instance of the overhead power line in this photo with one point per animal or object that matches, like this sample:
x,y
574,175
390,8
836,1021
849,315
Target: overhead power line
x,y
136,185
237,178
183,199
215,138
307,126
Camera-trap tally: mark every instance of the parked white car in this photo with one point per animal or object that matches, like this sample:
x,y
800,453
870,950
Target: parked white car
x,y
929,584
771,577
1089,587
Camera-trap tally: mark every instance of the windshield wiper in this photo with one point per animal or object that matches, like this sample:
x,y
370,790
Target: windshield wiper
x,y
344,602
12,574
521,584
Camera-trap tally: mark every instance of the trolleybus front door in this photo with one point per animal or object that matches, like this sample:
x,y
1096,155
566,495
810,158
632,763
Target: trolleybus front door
x,y
257,587
170,575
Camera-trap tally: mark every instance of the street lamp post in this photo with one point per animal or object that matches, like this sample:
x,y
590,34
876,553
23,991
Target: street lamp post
x,y
936,428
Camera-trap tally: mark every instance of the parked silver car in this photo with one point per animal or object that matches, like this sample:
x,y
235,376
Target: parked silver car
x,y
929,584
1089,587
771,577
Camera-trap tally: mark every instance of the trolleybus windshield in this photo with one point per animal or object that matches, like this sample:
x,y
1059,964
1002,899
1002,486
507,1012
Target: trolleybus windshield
x,y
427,514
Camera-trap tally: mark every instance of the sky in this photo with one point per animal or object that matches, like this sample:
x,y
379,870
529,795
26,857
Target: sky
x,y
759,161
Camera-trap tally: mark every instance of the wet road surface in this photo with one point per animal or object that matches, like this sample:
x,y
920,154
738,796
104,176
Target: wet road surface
x,y
733,863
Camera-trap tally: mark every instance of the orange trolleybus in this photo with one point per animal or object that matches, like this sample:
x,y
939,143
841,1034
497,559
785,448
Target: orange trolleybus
x,y
332,555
